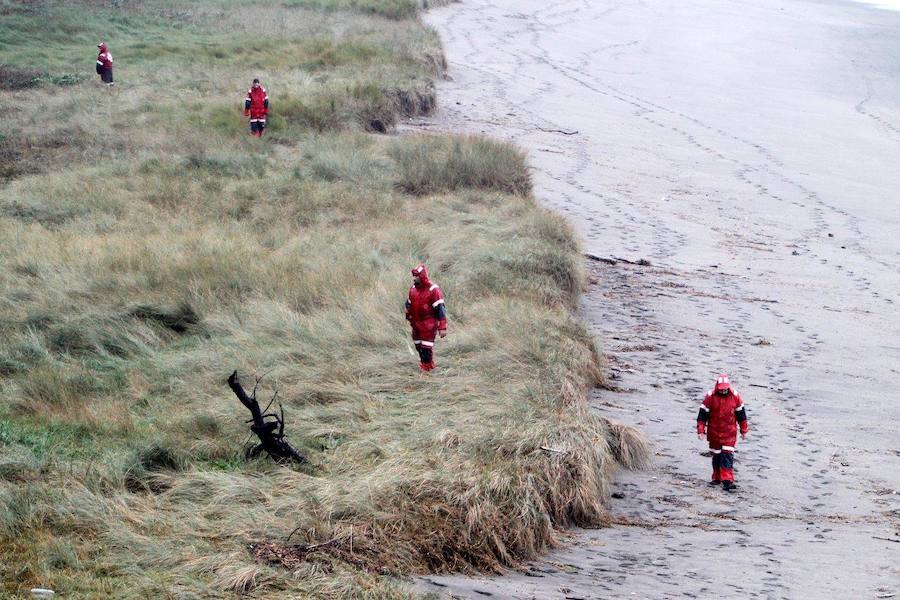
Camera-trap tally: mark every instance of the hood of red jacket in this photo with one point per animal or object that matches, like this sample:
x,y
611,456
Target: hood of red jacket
x,y
422,273
723,382
102,46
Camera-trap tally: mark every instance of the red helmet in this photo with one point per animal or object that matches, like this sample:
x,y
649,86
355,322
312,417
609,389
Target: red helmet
x,y
723,382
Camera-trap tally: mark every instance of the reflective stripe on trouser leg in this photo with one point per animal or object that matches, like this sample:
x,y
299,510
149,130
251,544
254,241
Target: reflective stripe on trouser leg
x,y
727,466
424,341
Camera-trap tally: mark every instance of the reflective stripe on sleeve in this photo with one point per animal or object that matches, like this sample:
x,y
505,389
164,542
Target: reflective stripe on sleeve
x,y
441,301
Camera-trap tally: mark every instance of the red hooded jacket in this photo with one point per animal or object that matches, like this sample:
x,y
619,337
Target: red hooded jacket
x,y
104,58
425,308
256,104
720,415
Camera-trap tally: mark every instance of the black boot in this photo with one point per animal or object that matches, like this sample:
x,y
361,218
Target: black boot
x,y
729,486
714,482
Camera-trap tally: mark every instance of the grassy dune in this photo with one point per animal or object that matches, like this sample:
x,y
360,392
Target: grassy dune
x,y
149,246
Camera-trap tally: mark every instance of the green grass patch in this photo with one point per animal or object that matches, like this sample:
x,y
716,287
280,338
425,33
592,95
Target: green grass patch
x,y
438,164
391,9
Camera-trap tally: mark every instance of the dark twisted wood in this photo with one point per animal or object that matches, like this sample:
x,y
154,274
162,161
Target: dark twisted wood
x,y
270,432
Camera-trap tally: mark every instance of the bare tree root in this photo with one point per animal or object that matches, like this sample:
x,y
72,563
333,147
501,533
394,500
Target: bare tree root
x,y
270,432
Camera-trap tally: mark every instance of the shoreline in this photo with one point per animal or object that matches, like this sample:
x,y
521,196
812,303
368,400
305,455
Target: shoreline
x,y
763,261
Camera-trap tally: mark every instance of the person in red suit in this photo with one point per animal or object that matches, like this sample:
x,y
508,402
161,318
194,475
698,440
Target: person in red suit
x,y
256,106
721,413
427,314
104,64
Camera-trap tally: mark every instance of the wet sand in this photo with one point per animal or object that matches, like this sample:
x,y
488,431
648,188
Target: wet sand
x,y
750,152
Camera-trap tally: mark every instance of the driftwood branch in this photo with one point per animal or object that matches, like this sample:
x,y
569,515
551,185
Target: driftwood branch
x,y
562,131
611,260
268,427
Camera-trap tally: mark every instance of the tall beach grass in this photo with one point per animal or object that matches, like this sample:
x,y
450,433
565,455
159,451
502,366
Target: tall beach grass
x,y
149,247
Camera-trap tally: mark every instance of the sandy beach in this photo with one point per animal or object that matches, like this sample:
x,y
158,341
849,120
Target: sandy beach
x,y
738,165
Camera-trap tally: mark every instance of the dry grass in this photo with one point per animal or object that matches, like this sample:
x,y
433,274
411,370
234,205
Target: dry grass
x,y
14,78
440,164
157,248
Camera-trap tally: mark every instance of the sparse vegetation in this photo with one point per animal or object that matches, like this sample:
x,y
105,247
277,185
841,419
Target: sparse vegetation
x,y
149,246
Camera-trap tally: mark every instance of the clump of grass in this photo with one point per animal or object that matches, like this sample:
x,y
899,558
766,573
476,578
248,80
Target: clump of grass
x,y
64,79
56,390
19,466
629,447
224,166
147,463
13,161
18,78
391,9
368,105
432,164
180,319
320,112
417,101
350,158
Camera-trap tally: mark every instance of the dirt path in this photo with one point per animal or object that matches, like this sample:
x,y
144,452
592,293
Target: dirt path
x,y
749,152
